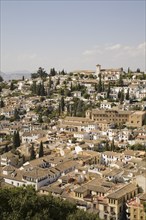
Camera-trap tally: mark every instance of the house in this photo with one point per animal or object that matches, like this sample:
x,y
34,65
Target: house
x,y
105,105
80,136
29,137
11,159
36,176
109,157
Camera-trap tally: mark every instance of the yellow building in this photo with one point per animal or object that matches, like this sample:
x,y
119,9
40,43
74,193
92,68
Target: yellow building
x,y
137,119
133,119
135,208
110,116
115,208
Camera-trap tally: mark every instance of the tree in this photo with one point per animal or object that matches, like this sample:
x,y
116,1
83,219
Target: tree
x,y
99,88
25,203
2,103
1,79
23,78
33,87
34,75
50,82
42,73
12,86
41,150
16,115
113,145
120,81
16,139
129,70
62,104
122,96
107,147
40,120
127,94
32,153
53,72
108,90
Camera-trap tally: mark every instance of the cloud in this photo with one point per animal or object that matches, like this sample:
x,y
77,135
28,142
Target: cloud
x,y
117,55
24,57
117,49
142,46
114,47
89,52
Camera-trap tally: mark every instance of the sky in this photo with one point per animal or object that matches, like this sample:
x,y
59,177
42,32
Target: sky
x,y
72,35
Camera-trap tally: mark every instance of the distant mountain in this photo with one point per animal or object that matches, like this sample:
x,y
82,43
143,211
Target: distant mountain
x,y
15,75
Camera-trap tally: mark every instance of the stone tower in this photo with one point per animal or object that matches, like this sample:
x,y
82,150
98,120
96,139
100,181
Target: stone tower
x,y
98,68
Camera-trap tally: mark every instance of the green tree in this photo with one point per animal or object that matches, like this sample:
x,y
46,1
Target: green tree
x,y
41,150
16,115
25,203
40,120
53,72
16,140
107,147
122,96
32,153
113,145
1,79
120,81
108,90
12,87
127,94
50,82
42,73
99,88
34,87
2,103
62,104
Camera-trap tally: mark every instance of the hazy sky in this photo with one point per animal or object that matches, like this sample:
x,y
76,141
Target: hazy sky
x,y
72,34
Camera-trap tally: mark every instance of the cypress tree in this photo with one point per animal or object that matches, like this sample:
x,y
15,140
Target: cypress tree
x,y
18,139
108,90
127,94
14,140
62,104
32,153
16,115
2,104
113,145
41,150
99,89
11,86
107,146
